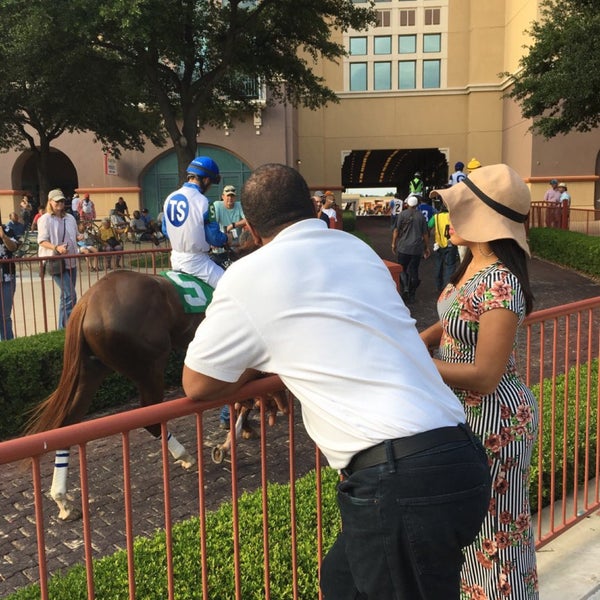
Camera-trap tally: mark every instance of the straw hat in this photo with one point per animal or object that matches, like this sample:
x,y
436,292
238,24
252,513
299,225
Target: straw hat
x,y
491,204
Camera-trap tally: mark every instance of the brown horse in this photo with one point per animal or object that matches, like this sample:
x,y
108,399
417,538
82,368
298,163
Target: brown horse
x,y
127,322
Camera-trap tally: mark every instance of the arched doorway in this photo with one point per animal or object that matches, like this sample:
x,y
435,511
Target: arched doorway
x,y
61,174
394,168
161,177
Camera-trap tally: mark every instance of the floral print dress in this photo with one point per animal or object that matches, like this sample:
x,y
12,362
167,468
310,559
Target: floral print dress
x,y
501,563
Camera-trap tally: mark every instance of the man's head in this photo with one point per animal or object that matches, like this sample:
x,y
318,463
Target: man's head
x,y
228,196
554,183
275,196
203,171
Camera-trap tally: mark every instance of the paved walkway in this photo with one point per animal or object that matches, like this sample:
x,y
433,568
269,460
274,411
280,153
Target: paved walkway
x,y
571,560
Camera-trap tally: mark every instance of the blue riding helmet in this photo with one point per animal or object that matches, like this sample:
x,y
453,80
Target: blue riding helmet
x,y
459,166
203,166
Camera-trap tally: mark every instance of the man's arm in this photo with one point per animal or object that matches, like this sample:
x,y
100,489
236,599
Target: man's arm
x,y
198,386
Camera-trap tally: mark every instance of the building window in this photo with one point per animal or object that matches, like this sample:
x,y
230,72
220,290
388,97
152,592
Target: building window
x,y
382,44
431,73
407,71
407,44
358,77
383,18
432,16
432,42
407,18
358,46
382,76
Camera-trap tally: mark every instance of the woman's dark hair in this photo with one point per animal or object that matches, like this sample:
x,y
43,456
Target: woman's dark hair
x,y
276,195
513,257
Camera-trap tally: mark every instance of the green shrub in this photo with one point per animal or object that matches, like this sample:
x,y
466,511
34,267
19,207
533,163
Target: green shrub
x,y
553,424
30,369
110,573
349,220
568,248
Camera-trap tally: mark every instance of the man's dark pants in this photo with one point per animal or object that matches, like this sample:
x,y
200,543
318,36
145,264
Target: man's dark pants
x,y
404,523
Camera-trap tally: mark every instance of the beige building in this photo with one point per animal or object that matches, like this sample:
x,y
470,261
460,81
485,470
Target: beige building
x,y
418,92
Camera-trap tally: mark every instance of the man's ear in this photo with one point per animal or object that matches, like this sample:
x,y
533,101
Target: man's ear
x,y
255,237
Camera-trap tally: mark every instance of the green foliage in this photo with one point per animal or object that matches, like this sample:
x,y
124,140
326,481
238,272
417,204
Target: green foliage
x,y
110,573
30,369
573,250
349,220
558,83
581,438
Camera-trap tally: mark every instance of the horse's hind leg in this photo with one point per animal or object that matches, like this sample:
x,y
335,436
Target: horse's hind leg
x,y
151,393
90,377
58,490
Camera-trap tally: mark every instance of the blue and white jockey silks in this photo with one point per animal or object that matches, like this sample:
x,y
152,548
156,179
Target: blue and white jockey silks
x,y
186,222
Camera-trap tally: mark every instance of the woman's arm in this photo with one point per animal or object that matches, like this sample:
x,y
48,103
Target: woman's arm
x,y
497,331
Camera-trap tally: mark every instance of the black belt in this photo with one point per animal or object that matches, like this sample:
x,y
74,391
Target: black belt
x,y
402,447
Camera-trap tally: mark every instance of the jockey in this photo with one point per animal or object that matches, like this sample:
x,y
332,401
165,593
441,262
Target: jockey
x,y
188,225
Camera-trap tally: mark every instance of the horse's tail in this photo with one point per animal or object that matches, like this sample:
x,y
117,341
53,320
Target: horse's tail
x,y
56,408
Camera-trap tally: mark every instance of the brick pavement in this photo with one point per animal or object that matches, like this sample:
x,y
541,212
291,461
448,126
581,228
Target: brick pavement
x,y
18,552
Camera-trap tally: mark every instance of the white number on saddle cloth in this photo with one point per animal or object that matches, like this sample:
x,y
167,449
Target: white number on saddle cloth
x,y
194,293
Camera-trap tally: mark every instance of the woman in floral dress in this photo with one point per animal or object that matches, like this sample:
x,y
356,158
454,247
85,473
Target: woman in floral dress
x,y
480,310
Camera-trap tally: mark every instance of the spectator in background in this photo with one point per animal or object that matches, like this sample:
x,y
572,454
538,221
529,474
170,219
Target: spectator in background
x,y
40,212
416,185
328,209
473,164
444,251
121,209
16,225
26,209
8,245
75,206
318,203
458,174
57,235
140,230
110,242
425,208
87,210
552,197
410,240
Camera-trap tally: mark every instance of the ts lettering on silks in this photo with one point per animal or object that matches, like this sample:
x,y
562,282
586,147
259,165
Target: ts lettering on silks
x,y
177,210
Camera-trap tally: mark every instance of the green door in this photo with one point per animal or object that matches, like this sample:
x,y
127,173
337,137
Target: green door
x,y
162,178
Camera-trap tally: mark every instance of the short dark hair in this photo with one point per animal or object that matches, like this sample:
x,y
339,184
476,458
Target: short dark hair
x,y
276,195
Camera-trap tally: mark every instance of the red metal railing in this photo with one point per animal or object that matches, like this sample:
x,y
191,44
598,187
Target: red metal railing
x,y
562,350
36,299
548,214
559,352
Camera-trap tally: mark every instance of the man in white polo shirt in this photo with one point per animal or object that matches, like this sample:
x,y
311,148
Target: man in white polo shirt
x,y
319,308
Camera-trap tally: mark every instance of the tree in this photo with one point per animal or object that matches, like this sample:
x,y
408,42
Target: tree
x,y
558,84
197,57
51,83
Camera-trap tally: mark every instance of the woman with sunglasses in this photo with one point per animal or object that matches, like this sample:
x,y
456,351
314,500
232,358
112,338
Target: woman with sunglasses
x,y
57,235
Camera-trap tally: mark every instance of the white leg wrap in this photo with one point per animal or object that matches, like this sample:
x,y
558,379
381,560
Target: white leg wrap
x,y
179,453
61,472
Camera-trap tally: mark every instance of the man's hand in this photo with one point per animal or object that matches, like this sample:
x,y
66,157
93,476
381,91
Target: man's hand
x,y
274,402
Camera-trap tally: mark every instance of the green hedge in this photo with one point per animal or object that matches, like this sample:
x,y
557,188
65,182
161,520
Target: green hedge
x,y
568,248
30,368
110,573
576,437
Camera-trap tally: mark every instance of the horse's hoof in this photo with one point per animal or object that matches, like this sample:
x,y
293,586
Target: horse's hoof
x,y
67,512
217,455
187,461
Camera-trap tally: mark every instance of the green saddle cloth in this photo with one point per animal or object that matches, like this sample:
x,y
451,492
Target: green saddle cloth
x,y
195,294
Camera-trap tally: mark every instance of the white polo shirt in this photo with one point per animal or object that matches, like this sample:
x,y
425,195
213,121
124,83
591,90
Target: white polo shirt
x,y
318,307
